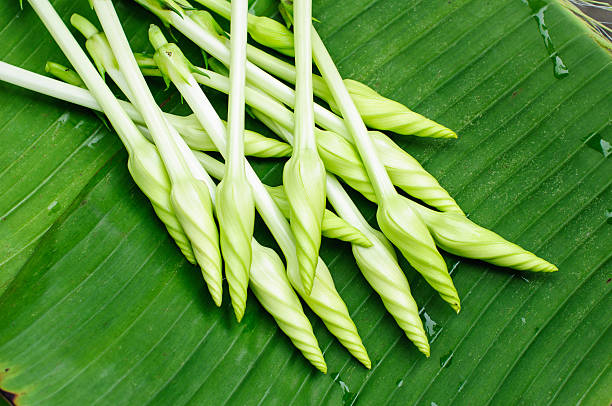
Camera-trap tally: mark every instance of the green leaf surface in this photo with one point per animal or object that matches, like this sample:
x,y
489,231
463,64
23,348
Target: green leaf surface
x,y
99,307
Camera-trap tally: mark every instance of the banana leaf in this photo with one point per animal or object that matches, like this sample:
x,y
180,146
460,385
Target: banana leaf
x,y
99,307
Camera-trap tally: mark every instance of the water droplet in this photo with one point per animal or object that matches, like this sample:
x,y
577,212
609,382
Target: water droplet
x,y
347,395
400,383
598,144
609,216
430,326
538,7
434,404
64,118
446,360
93,140
52,205
523,320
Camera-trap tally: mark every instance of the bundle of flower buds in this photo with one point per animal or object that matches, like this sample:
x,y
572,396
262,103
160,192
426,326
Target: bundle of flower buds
x,y
212,224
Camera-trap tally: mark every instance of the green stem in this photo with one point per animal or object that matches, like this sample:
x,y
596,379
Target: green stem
x,y
143,99
256,76
237,75
376,171
127,131
304,113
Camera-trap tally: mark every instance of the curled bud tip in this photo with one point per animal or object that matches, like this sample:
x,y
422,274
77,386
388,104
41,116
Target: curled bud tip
x,y
272,34
193,208
460,236
382,113
236,215
270,285
399,222
325,301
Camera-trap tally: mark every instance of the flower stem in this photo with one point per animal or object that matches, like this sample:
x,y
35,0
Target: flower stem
x,y
376,170
143,99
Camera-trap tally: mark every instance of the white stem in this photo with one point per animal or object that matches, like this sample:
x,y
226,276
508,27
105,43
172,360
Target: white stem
x,y
304,113
204,112
50,87
235,115
127,131
264,60
376,171
255,75
70,93
266,207
143,99
254,97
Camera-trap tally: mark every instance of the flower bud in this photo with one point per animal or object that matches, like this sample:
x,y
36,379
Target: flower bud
x,y
304,181
271,287
405,229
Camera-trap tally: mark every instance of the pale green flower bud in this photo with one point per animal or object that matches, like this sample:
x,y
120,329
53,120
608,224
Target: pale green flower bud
x,y
64,74
325,301
193,208
149,173
96,43
197,138
272,34
341,158
169,58
271,287
385,114
206,21
404,228
408,174
304,181
255,144
236,235
460,236
380,268
332,226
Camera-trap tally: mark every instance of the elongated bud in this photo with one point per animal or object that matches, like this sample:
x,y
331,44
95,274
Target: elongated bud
x,y
459,235
147,170
193,208
64,74
325,301
304,183
408,174
96,43
272,34
388,115
255,144
378,264
335,227
236,233
332,226
168,57
380,268
260,146
206,21
406,230
341,158
271,287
